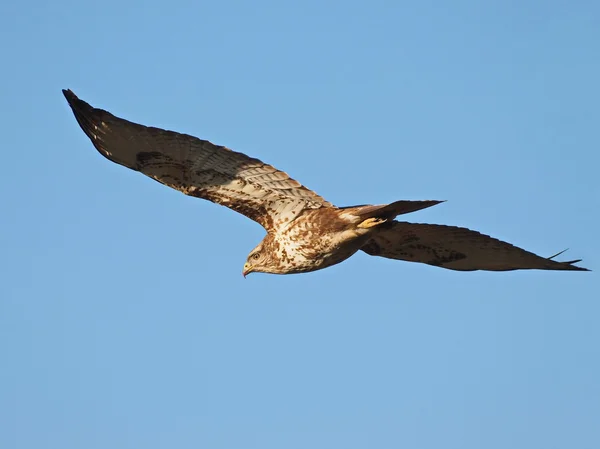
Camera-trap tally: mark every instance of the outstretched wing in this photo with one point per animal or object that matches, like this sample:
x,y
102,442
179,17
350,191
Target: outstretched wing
x,y
456,248
197,167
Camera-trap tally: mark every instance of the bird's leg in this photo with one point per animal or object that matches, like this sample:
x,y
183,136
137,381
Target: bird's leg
x,y
370,222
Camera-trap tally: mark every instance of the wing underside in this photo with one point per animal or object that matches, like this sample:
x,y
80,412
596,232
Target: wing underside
x,y
197,167
456,248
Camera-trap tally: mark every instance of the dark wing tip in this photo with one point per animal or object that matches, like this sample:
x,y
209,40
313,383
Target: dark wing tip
x,y
78,106
74,101
89,119
569,263
84,113
69,95
87,116
575,267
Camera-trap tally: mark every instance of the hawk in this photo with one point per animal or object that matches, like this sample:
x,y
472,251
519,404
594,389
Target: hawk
x,y
304,231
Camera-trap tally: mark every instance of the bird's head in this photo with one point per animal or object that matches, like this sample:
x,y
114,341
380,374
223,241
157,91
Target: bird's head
x,y
260,260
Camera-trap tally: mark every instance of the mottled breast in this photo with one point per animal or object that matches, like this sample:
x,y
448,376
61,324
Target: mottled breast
x,y
318,239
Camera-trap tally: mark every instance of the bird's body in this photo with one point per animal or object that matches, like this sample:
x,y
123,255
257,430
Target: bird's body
x,y
324,237
304,231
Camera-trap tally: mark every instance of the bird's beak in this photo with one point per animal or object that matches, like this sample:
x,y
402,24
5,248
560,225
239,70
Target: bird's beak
x,y
247,269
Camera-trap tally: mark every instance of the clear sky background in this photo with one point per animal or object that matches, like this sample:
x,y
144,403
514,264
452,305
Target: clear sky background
x,y
124,319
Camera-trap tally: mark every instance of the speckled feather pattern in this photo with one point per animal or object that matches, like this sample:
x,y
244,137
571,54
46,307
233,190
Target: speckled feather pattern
x,y
197,167
455,248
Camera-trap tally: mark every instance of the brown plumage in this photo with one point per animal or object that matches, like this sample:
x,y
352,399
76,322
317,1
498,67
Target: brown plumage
x,y
304,231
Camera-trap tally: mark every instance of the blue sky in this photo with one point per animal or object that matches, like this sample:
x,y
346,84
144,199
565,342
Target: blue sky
x,y
124,319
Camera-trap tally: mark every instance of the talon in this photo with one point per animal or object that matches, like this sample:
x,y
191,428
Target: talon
x,y
370,222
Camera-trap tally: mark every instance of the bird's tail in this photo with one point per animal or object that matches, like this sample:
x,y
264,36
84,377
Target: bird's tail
x,y
392,210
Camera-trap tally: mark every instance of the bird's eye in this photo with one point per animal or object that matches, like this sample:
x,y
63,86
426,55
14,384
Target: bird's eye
x,y
255,256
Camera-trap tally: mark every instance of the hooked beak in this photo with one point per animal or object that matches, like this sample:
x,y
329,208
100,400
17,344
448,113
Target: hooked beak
x,y
247,269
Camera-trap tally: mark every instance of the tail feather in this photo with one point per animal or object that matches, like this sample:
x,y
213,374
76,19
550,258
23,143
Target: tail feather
x,y
392,210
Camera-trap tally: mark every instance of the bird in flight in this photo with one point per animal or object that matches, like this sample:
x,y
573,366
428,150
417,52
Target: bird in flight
x,y
304,231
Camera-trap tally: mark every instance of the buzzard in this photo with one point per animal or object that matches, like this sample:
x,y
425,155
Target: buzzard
x,y
304,231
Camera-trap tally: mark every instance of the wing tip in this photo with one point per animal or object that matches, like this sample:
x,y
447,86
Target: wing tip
x,y
575,267
77,105
568,263
89,120
71,98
